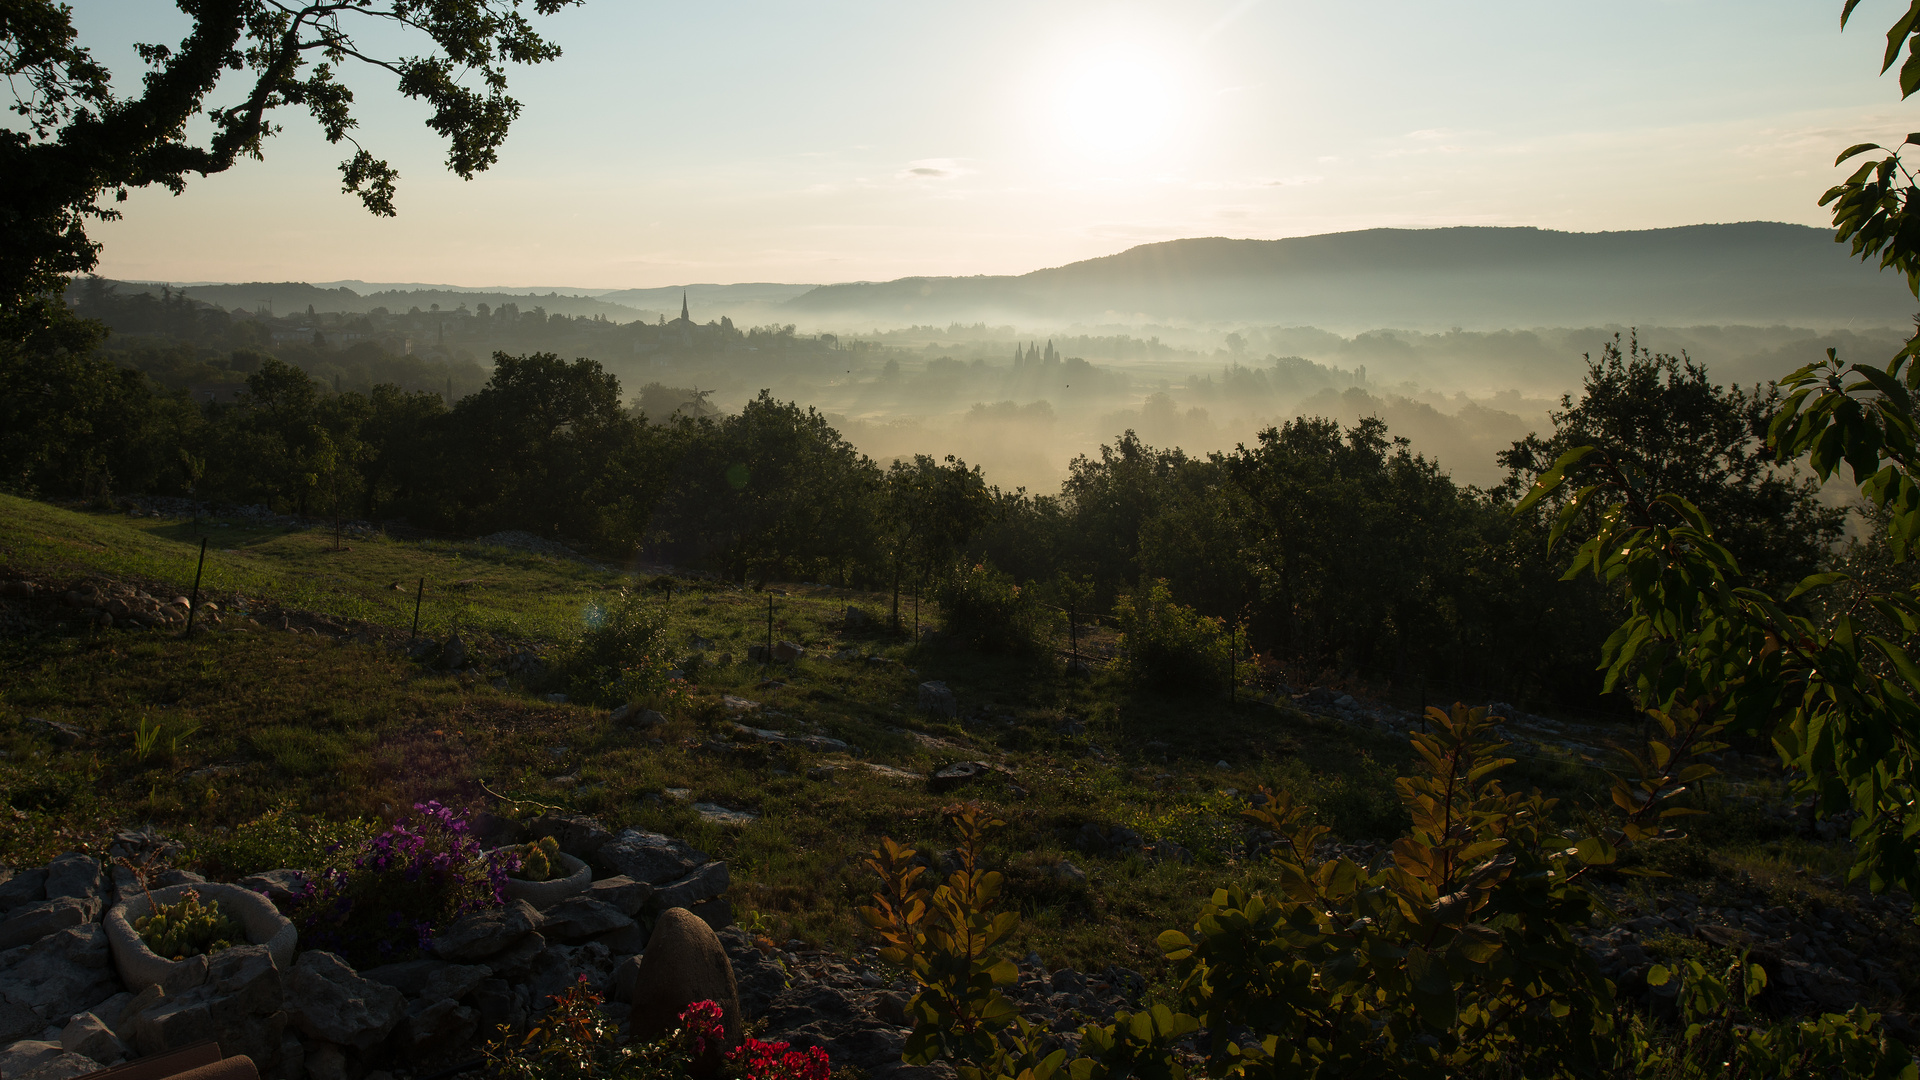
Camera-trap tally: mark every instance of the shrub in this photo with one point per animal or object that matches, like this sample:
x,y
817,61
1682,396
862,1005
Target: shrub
x,y
984,609
279,838
405,884
621,654
574,1040
1457,958
1170,647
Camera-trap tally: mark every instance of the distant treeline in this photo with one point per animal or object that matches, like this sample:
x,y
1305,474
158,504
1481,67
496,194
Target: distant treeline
x,y
1338,550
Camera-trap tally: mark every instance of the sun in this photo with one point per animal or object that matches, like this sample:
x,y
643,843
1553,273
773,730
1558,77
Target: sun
x,y
1117,103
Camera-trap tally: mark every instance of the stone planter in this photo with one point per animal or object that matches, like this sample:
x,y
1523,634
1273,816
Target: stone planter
x,y
140,967
545,894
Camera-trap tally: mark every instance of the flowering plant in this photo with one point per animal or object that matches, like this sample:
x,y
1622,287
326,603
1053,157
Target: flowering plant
x,y
408,881
574,1040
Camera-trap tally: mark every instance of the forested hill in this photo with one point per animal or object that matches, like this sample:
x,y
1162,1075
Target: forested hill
x,y
1751,272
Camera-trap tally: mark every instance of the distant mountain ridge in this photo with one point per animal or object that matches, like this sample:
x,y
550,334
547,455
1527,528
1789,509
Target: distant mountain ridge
x,y
1469,276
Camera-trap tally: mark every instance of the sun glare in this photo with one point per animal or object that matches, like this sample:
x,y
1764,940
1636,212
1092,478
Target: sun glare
x,y
1116,104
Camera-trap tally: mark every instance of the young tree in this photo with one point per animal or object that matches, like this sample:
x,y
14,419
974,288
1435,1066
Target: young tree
x,y
932,510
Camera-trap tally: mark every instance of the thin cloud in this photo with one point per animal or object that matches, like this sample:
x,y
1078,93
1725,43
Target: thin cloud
x,y
927,169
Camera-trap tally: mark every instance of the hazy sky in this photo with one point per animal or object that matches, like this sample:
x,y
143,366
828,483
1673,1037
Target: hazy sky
x,y
834,141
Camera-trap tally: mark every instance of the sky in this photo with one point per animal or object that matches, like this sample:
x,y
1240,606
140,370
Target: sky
x,y
754,140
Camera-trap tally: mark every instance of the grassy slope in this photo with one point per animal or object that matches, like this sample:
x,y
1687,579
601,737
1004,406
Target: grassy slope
x,y
341,730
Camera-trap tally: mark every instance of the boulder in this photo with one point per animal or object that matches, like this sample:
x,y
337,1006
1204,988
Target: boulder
x,y
624,893
28,924
650,857
25,887
786,652
857,619
513,960
238,1005
35,1059
327,1000
485,933
453,655
935,698
573,878
89,1036
684,963
705,883
279,886
437,1026
75,875
325,1061
578,918
430,980
577,834
64,973
632,716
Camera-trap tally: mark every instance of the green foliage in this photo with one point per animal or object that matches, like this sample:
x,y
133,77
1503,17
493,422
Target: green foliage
x,y
946,937
1457,958
279,838
538,861
984,609
931,511
1170,647
621,653
187,927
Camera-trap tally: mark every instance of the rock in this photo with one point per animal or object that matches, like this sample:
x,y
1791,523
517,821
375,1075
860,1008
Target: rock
x,y
279,886
513,960
650,857
625,941
60,734
36,1059
720,815
77,876
89,1036
453,655
578,918
786,652
757,654
64,973
430,980
634,717
326,1000
25,887
857,619
960,774
578,835
822,773
623,893
439,1026
716,913
35,921
485,933
1068,874
738,704
935,698
326,1062
170,878
684,963
238,1005
705,883
494,1001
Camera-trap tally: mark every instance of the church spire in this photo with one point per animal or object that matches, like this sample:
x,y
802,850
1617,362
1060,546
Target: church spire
x,y
683,306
